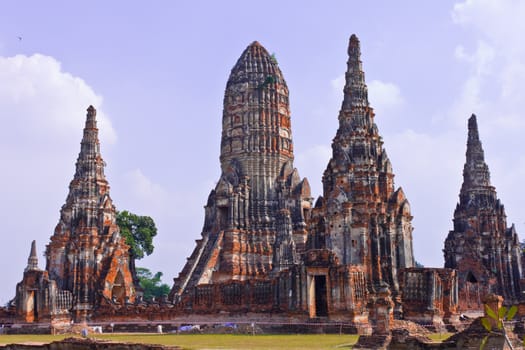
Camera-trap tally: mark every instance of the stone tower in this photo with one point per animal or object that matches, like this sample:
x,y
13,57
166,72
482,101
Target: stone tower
x,y
361,218
255,218
86,255
481,247
32,261
32,299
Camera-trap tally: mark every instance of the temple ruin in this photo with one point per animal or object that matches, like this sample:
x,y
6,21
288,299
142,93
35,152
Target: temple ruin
x,y
255,218
87,260
485,252
267,249
362,220
264,246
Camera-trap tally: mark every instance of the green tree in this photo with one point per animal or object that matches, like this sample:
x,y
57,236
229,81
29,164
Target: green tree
x,y
138,232
151,283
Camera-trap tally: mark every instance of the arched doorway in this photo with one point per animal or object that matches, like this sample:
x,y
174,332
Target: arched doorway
x,y
118,292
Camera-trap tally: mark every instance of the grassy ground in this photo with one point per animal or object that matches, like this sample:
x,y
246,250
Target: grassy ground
x,y
439,337
213,341
220,341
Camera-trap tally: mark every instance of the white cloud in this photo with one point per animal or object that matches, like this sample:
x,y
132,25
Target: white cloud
x,y
143,192
500,22
493,90
494,86
384,95
428,168
481,66
43,113
41,98
480,60
338,85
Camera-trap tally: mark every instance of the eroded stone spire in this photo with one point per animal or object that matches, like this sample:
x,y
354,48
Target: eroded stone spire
x,y
255,216
476,175
86,255
481,247
355,90
256,116
366,221
32,261
357,141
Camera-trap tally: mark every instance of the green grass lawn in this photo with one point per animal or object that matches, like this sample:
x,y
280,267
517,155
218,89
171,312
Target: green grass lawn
x,y
439,337
38,338
214,341
220,341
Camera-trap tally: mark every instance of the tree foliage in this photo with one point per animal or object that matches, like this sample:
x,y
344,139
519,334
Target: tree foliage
x,y
138,231
499,316
151,284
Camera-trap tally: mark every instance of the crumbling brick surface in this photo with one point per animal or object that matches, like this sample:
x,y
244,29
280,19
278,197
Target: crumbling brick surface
x,y
481,247
87,259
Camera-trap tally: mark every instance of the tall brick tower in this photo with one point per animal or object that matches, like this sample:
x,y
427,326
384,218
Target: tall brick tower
x,y
255,217
86,255
362,218
481,247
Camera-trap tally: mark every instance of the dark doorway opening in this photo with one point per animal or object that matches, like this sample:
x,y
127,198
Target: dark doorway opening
x,y
35,305
321,303
471,278
118,292
223,217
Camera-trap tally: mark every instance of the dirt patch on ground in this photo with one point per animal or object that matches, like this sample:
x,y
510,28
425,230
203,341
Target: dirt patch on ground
x,y
86,343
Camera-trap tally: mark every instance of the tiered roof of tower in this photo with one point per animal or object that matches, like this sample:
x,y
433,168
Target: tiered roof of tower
x,y
367,222
357,146
476,175
87,255
257,205
32,261
256,107
481,246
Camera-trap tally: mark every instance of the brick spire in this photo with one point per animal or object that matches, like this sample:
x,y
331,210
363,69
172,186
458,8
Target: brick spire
x,y
256,129
358,189
32,261
481,247
357,141
355,91
476,175
86,255
90,143
260,201
90,165
256,115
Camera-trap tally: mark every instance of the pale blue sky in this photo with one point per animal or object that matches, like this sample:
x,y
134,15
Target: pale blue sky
x,y
156,72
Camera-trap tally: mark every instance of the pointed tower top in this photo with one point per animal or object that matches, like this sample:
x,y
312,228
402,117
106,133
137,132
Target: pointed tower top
x,y
89,172
33,249
355,90
357,146
32,261
91,120
473,134
256,86
255,66
354,48
476,175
